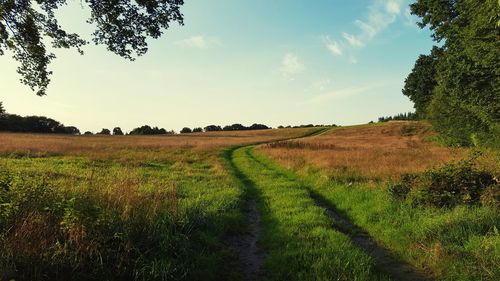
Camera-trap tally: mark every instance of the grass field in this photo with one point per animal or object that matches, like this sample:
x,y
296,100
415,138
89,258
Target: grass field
x,y
120,208
350,168
288,204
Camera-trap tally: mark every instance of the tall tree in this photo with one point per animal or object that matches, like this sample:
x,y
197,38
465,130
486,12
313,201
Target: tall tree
x,y
122,25
465,104
117,131
2,109
420,83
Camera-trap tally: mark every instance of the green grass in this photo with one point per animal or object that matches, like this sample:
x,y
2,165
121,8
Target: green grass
x,y
461,243
298,236
74,218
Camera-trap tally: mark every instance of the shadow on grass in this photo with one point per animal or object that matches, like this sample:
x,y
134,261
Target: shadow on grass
x,y
385,261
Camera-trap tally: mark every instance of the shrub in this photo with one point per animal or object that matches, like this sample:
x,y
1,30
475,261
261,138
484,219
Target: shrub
x,y
117,131
449,185
186,130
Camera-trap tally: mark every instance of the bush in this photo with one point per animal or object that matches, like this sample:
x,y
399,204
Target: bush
x,y
452,184
186,130
148,130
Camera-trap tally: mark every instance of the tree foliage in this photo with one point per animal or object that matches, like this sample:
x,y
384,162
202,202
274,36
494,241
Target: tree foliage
x,y
34,124
117,131
398,117
122,25
457,86
104,131
186,130
420,83
148,130
213,128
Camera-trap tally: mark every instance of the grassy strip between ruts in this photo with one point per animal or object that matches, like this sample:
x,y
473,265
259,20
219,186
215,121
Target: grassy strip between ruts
x,y
461,243
298,236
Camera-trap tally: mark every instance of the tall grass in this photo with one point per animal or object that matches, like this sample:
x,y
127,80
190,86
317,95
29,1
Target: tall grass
x,y
371,153
457,243
119,208
298,236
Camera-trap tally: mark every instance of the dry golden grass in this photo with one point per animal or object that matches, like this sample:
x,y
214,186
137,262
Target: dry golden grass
x,y
371,152
102,147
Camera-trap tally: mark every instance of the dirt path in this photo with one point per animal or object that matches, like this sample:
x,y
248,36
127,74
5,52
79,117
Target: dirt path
x,y
250,255
385,261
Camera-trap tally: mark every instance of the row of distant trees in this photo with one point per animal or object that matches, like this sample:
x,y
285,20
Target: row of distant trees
x,y
42,124
216,128
33,124
306,126
399,117
143,130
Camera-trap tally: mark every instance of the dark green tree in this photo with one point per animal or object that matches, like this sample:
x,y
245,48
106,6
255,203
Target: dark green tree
x,y
104,132
117,131
186,130
421,82
213,128
2,109
122,25
465,103
197,130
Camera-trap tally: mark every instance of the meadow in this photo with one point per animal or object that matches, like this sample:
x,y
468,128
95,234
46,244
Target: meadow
x,y
120,208
353,168
281,204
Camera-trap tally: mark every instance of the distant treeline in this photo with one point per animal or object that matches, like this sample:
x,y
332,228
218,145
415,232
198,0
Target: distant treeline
x,y
306,126
216,128
33,124
41,124
399,117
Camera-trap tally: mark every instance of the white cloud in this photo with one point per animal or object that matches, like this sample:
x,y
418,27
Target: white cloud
x,y
381,14
393,7
198,42
352,40
346,92
332,46
291,65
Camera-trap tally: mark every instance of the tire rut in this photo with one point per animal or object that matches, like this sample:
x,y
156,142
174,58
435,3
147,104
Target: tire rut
x,y
385,261
251,257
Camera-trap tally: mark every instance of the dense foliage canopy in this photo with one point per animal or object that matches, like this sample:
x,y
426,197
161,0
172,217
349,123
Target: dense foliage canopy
x,y
457,86
122,25
34,124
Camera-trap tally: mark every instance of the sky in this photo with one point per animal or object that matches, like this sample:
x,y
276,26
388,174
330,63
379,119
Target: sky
x,y
276,62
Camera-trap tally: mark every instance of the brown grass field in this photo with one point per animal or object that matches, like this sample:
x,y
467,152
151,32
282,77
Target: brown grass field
x,y
102,147
372,152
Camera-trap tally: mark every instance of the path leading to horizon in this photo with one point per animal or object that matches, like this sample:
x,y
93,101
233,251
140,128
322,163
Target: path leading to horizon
x,y
299,235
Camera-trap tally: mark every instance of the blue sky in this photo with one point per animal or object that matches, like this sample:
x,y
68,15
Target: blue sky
x,y
276,62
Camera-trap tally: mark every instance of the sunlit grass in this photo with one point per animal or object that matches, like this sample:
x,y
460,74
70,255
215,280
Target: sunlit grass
x,y
298,236
350,169
120,208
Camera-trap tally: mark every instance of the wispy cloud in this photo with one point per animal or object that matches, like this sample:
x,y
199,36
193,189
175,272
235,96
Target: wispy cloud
x,y
332,45
198,42
346,92
291,65
352,40
381,14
